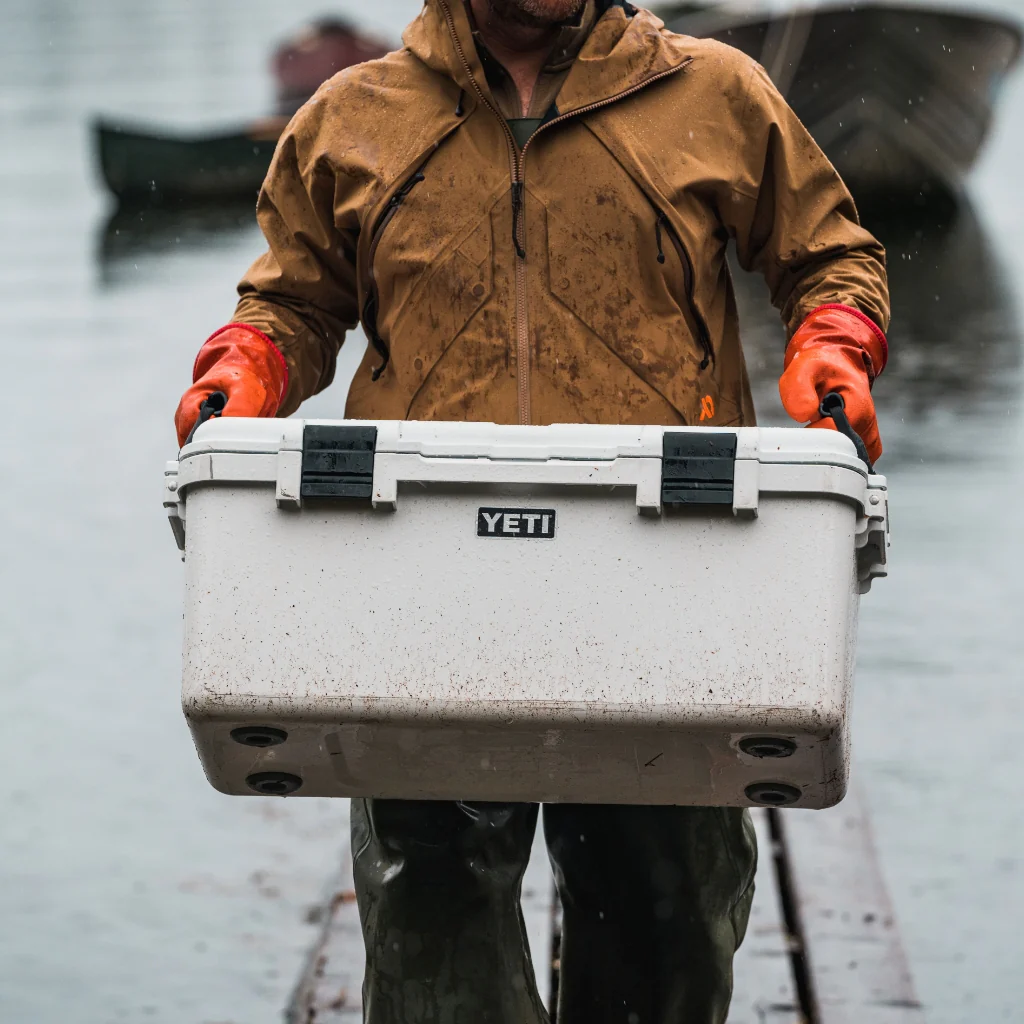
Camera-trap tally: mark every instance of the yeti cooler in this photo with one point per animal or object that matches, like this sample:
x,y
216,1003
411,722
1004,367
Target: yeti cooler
x,y
630,615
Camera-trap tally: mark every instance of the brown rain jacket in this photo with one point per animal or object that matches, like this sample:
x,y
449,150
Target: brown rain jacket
x,y
583,279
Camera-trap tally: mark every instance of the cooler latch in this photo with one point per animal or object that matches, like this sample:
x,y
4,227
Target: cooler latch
x,y
698,468
337,461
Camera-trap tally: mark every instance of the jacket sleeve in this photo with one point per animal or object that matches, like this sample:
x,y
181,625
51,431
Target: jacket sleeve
x,y
794,220
302,291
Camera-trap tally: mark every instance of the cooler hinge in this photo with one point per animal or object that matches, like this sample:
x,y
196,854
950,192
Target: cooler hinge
x,y
337,461
698,468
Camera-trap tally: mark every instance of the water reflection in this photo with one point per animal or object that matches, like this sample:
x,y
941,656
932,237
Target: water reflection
x,y
955,332
141,229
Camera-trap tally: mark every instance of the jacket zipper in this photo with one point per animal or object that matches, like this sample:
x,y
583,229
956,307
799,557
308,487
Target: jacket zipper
x,y
518,225
516,162
370,305
703,334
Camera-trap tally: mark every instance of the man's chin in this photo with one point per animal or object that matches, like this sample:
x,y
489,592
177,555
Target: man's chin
x,y
538,13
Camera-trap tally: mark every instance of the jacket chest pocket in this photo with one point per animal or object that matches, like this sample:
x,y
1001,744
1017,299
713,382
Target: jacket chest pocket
x,y
666,236
631,287
426,281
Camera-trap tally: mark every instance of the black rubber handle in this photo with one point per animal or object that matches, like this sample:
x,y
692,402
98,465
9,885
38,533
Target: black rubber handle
x,y
834,406
212,406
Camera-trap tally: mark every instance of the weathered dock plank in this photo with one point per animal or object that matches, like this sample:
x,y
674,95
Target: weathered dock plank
x,y
329,990
854,969
763,987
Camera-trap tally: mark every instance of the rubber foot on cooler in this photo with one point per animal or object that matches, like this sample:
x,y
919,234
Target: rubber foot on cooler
x,y
273,783
767,746
772,794
259,736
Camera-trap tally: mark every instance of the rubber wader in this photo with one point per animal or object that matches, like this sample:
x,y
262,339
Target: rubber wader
x,y
655,903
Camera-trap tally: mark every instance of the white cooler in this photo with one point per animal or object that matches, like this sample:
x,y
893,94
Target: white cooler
x,y
639,615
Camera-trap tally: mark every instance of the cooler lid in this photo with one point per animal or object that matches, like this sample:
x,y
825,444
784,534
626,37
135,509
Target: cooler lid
x,y
785,445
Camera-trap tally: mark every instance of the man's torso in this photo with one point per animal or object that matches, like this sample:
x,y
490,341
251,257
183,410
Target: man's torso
x,y
604,294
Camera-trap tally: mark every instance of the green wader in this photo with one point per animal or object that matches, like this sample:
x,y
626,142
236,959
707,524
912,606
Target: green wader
x,y
655,903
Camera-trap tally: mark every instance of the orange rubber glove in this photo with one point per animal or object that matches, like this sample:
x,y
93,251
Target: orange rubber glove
x,y
836,348
243,363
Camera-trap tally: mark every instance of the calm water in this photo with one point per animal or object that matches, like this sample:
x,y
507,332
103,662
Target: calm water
x,y
131,891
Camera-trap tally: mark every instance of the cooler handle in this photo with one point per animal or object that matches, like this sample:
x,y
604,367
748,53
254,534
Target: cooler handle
x,y
211,407
833,405
390,469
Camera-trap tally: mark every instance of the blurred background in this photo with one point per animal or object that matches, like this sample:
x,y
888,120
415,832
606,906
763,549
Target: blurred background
x,y
130,889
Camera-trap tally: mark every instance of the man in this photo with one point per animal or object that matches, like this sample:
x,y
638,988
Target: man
x,y
528,208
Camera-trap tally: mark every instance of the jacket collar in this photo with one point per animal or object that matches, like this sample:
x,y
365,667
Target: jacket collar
x,y
626,49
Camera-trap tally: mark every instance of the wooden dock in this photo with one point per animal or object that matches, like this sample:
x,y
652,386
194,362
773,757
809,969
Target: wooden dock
x,y
822,946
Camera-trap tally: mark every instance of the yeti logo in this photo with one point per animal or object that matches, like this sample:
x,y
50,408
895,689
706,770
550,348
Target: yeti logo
x,y
516,522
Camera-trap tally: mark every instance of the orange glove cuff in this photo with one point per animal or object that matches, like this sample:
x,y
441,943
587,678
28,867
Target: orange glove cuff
x,y
837,323
229,342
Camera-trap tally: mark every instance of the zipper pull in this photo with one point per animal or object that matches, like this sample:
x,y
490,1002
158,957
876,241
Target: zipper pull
x,y
399,196
517,209
657,235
